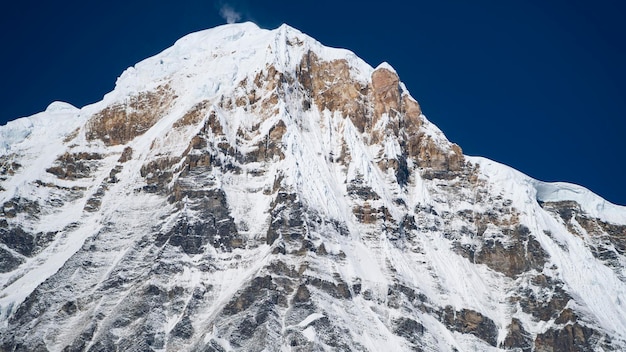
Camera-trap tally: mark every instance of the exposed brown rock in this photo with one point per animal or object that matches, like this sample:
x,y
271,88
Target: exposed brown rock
x,y
571,338
194,115
71,136
364,213
358,189
8,166
386,93
412,112
513,251
521,254
73,166
330,86
337,290
158,173
127,154
197,160
547,303
607,241
197,142
430,155
566,210
268,78
567,315
518,337
271,145
245,97
616,235
213,125
279,267
122,122
469,321
256,291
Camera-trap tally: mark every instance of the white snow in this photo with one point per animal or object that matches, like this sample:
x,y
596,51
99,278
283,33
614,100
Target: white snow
x,y
596,287
14,132
591,203
533,190
212,64
385,65
61,107
311,318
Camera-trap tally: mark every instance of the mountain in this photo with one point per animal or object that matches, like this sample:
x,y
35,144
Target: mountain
x,y
253,190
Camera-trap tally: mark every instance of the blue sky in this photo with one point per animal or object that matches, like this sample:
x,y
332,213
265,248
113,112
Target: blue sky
x,y
537,85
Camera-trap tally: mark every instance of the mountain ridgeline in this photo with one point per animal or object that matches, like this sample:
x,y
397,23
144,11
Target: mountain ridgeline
x,y
253,190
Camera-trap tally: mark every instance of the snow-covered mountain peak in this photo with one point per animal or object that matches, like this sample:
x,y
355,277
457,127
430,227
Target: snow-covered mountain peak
x,y
228,53
250,189
60,106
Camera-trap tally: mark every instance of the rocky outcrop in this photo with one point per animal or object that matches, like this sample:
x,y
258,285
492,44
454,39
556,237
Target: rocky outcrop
x,y
471,322
122,122
387,97
430,155
571,338
70,166
607,241
8,166
330,86
127,154
158,173
23,242
522,254
518,337
307,205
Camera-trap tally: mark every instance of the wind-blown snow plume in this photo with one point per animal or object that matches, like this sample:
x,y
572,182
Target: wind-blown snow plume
x,y
229,14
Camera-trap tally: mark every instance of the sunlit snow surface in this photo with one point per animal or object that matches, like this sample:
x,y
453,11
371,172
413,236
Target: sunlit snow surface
x,y
596,286
210,64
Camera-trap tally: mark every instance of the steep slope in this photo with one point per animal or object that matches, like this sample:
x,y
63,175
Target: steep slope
x,y
254,190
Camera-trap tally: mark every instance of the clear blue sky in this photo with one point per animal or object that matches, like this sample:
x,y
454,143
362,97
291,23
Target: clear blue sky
x,y
539,85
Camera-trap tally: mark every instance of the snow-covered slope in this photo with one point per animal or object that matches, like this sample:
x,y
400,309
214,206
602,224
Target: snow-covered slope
x,y
251,189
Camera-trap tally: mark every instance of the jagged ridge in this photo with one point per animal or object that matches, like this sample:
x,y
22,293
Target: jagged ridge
x,y
250,189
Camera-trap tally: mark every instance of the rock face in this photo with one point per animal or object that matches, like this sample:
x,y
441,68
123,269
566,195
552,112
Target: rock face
x,y
254,190
120,123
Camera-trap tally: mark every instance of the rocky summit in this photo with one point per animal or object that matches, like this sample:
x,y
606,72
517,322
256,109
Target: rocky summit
x,y
254,190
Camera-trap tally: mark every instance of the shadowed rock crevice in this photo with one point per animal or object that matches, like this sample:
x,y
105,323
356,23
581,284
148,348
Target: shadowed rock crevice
x,y
206,221
523,253
75,166
518,337
468,321
9,261
158,173
287,219
545,301
23,242
409,329
570,338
